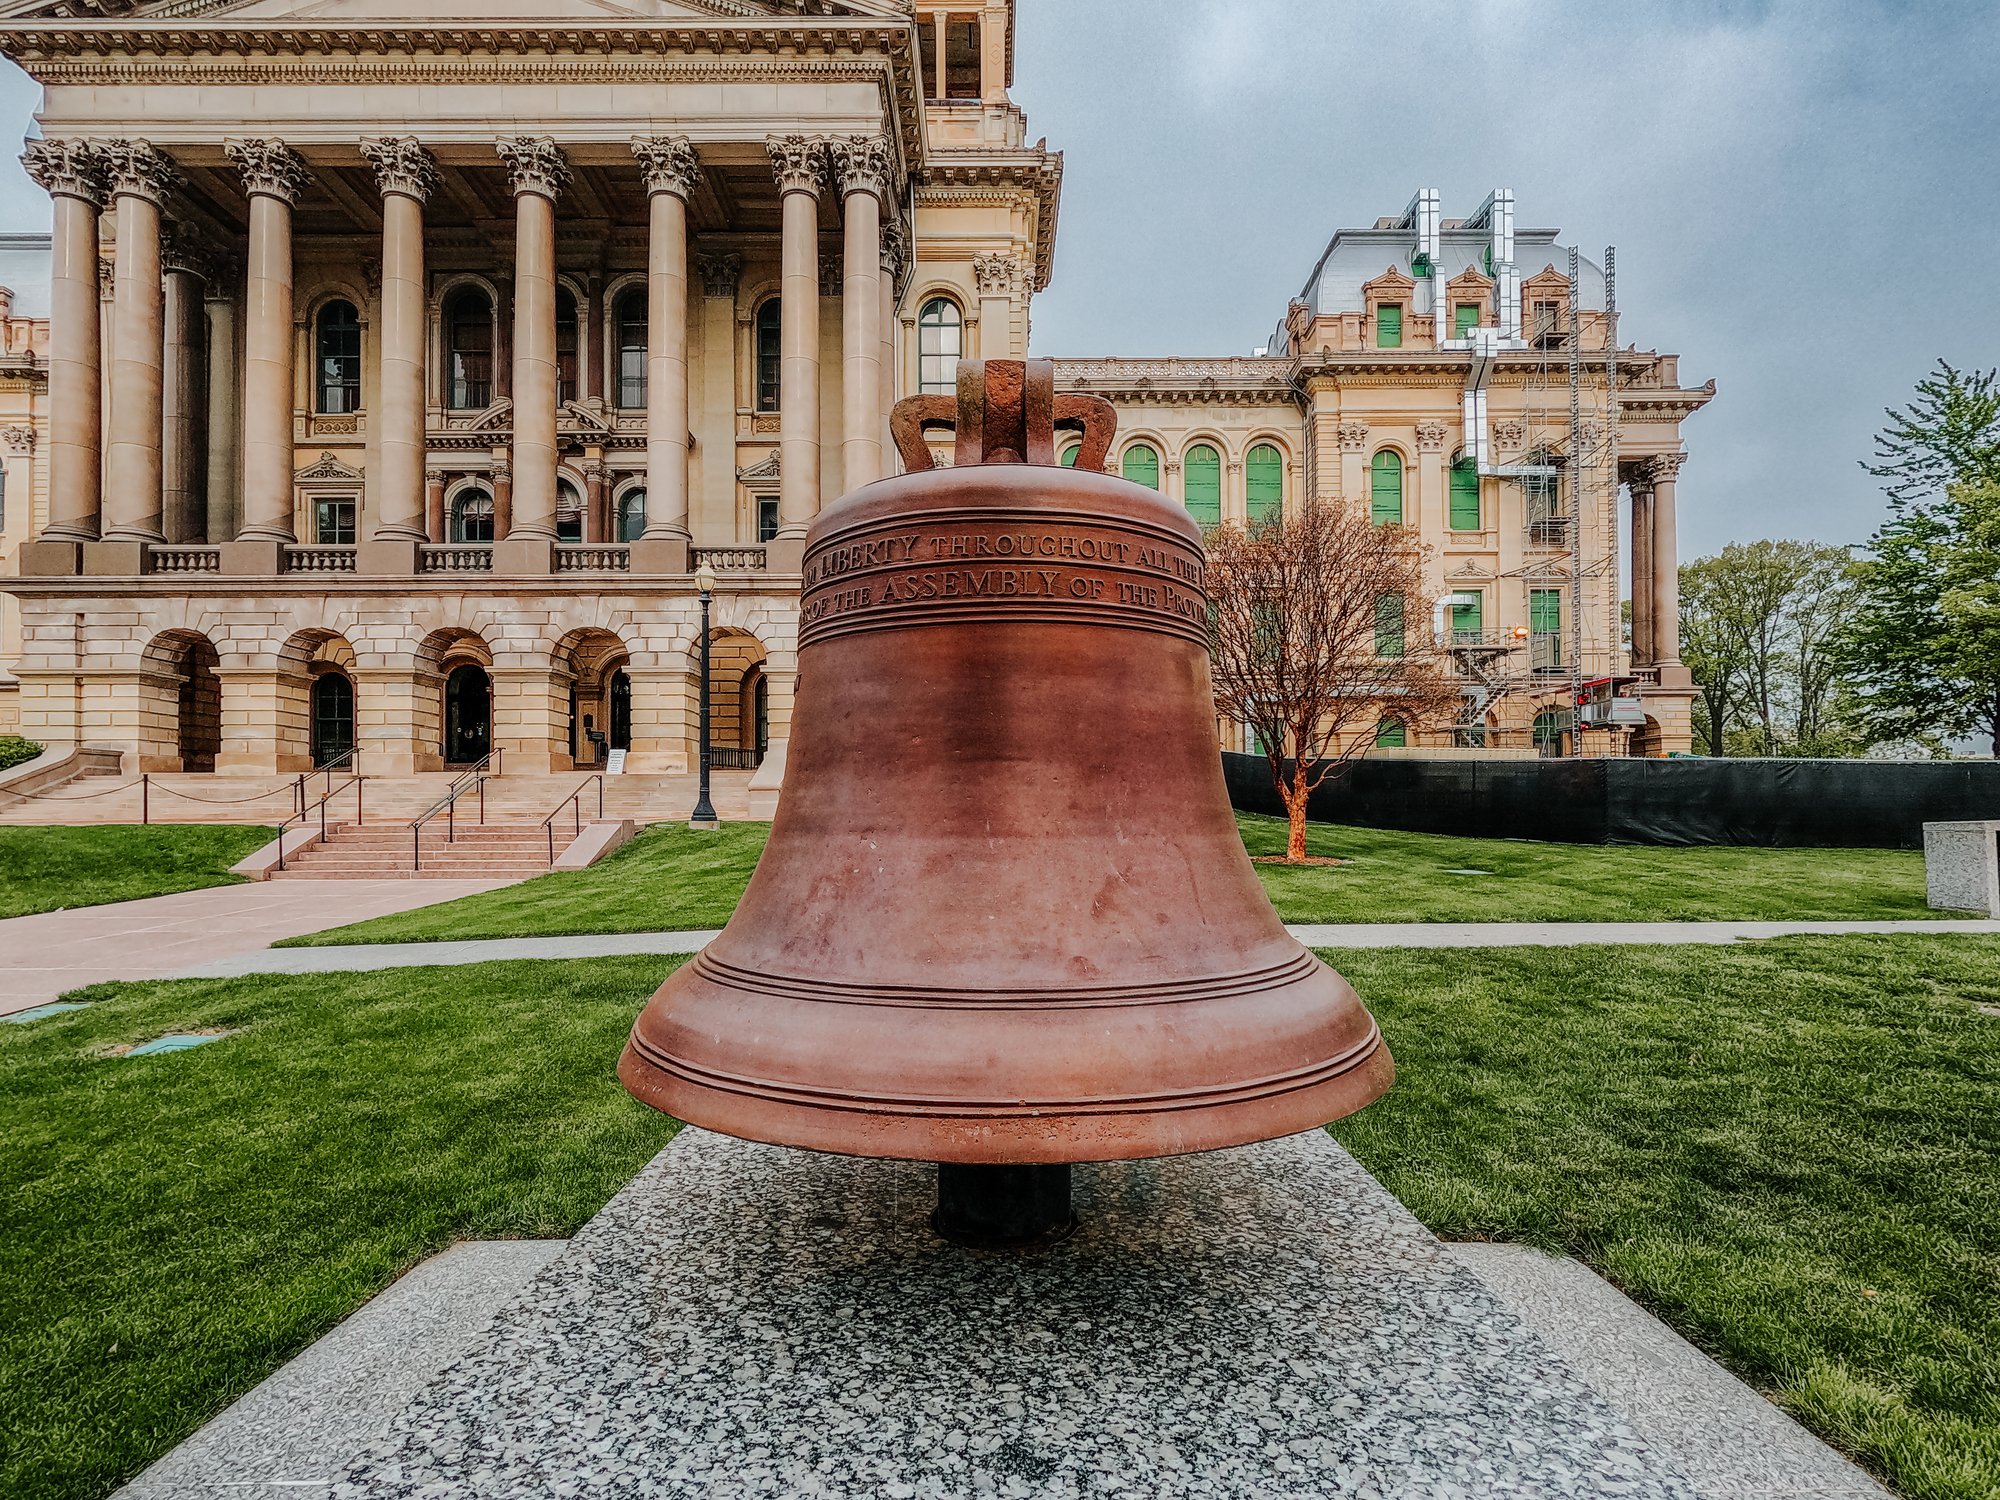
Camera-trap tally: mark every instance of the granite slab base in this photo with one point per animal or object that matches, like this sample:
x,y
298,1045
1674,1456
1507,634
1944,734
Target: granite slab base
x,y
745,1320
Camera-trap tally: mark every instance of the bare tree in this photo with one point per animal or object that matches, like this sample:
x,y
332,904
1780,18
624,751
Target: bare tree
x,y
1319,630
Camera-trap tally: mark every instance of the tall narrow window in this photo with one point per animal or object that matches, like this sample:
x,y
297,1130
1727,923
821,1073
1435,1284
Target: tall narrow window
x,y
1545,622
1465,493
940,342
770,346
1390,735
961,59
1142,466
1389,326
1468,620
1546,325
333,523
1389,625
1202,477
1264,483
472,516
1464,318
767,517
632,348
339,359
565,346
632,515
1385,488
468,332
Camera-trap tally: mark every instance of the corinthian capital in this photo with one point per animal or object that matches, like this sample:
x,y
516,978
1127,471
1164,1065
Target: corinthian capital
x,y
860,164
668,164
138,169
719,273
1662,468
69,169
270,168
996,274
401,166
796,161
535,164
181,250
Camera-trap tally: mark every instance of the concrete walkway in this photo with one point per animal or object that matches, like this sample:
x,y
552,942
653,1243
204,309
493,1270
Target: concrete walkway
x,y
357,957
44,955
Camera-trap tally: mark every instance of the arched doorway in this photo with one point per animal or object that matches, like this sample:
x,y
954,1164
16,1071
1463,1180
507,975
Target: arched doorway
x,y
468,715
332,718
200,720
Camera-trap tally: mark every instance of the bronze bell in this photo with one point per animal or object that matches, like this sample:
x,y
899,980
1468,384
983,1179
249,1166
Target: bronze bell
x,y
1005,916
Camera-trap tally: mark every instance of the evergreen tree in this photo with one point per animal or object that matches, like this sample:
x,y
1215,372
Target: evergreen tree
x,y
1949,435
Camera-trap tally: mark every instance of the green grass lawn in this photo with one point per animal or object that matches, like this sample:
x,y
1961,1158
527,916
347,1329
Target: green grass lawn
x,y
1789,1150
175,1227
671,878
1749,1139
42,869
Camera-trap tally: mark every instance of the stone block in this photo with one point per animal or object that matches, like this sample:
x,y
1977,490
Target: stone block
x,y
784,554
114,559
524,554
253,559
386,559
1962,866
48,560
661,555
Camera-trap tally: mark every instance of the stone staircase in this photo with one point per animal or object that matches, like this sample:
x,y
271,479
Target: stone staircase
x,y
490,851
185,797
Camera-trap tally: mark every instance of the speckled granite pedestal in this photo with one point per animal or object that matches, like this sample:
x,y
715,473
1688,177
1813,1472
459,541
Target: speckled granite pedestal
x,y
1265,1322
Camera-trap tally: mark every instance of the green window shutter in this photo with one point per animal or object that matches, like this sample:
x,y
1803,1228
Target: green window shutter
x,y
1069,455
1142,466
1202,479
1545,613
1465,494
1389,625
1385,489
1389,326
1264,474
1468,619
1389,734
1465,317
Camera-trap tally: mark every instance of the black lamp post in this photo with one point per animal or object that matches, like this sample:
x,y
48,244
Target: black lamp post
x,y
703,815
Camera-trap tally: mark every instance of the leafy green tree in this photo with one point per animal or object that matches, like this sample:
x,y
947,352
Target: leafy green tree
x,y
1949,435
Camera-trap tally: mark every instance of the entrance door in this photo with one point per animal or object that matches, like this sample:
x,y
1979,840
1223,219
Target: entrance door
x,y
332,718
621,711
468,716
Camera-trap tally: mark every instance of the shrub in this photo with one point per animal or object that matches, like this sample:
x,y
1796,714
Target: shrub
x,y
15,751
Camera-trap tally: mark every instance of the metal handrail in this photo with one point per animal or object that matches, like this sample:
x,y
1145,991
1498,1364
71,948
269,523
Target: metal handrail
x,y
448,805
320,806
348,760
575,803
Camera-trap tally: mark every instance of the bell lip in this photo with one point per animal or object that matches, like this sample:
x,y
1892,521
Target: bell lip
x,y
1025,486
1022,1142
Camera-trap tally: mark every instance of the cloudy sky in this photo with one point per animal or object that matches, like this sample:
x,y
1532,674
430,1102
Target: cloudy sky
x,y
1801,191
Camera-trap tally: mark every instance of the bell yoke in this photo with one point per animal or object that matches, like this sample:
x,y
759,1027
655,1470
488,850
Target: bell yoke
x,y
1005,919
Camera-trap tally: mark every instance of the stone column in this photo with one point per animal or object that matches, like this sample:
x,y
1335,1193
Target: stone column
x,y
796,161
73,173
1666,609
890,273
671,170
225,396
502,475
1642,568
863,167
434,522
537,171
273,175
406,176
184,390
141,177
996,276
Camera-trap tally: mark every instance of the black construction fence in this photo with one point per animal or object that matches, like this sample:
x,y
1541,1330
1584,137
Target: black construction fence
x,y
1825,803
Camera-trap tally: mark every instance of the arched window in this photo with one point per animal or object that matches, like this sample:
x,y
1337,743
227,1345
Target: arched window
x,y
565,345
1142,466
1264,481
1069,455
770,346
1385,488
339,359
940,346
1201,479
472,516
569,512
631,316
1465,493
1549,728
468,342
632,515
1390,735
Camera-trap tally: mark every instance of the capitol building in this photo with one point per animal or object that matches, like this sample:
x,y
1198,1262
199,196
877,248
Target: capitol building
x,y
388,372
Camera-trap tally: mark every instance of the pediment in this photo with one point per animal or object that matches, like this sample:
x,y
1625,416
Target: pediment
x,y
326,466
1547,280
768,469
1469,280
1391,280
582,417
496,418
1469,569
